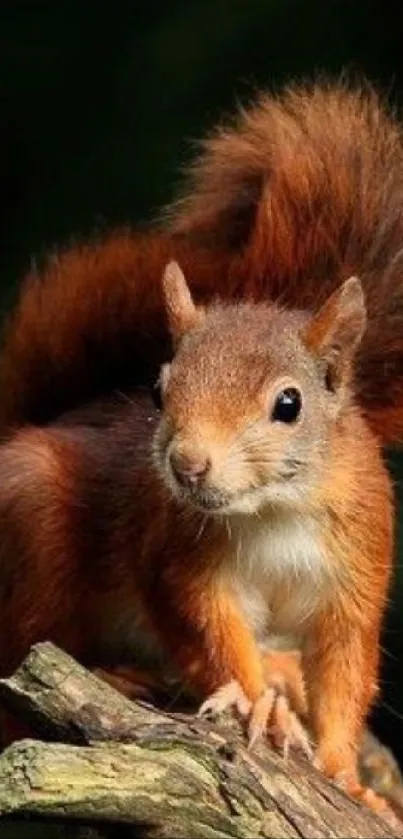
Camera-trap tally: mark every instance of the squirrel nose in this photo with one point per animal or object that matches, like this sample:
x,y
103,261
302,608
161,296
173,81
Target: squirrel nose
x,y
189,469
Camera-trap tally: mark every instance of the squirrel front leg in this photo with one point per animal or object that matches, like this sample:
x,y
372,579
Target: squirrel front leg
x,y
205,635
341,666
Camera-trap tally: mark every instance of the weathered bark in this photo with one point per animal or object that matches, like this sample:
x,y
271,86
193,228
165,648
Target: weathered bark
x,y
169,776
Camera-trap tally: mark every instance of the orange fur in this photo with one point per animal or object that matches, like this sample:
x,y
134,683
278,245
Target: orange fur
x,y
219,395
91,324
215,644
46,590
99,551
291,682
296,194
67,577
308,188
342,658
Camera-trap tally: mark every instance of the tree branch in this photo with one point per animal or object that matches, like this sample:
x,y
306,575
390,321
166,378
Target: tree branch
x,y
167,775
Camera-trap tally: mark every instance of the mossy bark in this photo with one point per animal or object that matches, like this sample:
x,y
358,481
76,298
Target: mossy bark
x,y
146,773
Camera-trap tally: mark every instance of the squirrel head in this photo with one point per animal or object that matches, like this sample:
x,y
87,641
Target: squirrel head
x,y
253,396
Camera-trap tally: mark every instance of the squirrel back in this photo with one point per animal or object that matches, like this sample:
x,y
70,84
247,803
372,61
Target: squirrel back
x,y
295,195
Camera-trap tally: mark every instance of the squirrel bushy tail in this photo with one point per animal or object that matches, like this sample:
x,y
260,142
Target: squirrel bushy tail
x,y
92,324
299,192
308,186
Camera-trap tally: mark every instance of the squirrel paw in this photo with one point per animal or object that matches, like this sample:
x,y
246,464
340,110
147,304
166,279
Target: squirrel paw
x,y
283,671
271,714
228,696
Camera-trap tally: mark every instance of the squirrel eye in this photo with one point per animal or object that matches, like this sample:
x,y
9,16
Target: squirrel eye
x,y
287,407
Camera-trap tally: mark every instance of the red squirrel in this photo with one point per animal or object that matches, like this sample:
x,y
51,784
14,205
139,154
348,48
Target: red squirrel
x,y
254,512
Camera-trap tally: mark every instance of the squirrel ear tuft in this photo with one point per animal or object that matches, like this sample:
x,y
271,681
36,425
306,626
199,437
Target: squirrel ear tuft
x,y
333,334
180,308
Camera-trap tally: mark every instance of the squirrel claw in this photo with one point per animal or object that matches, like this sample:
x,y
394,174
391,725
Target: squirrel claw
x,y
287,729
272,713
228,696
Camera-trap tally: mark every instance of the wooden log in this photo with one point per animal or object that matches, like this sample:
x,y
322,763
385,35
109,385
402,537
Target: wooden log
x,y
153,773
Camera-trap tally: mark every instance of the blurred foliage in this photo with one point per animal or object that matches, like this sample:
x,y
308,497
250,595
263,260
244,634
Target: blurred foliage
x,y
100,102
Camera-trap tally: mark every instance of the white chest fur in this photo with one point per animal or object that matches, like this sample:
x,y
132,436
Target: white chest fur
x,y
279,573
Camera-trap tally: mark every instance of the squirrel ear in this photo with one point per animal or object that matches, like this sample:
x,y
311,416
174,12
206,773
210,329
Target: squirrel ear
x,y
181,311
334,333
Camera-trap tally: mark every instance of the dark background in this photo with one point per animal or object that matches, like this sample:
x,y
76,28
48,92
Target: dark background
x,y
99,102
